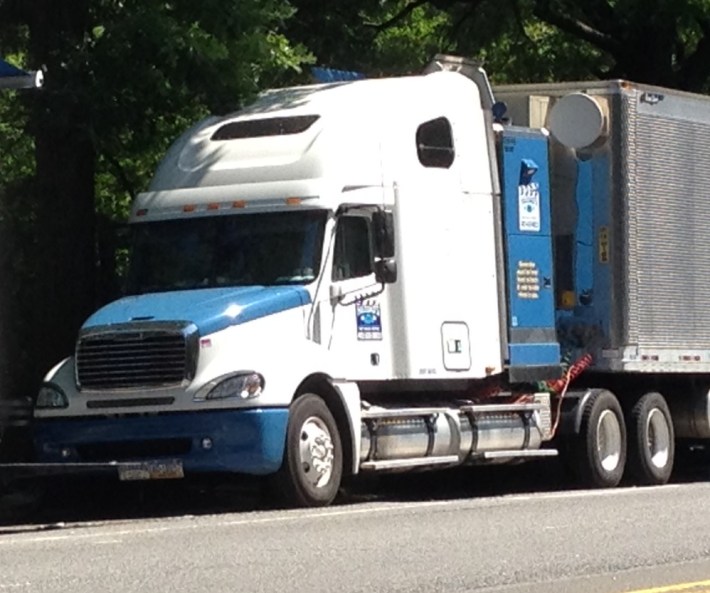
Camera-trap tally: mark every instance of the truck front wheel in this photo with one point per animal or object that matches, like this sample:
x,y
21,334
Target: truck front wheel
x,y
601,443
651,441
313,460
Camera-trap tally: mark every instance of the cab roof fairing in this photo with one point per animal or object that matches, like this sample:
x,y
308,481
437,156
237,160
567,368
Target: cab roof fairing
x,y
342,143
355,119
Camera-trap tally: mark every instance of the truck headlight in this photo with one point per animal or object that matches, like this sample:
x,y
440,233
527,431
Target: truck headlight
x,y
246,385
51,396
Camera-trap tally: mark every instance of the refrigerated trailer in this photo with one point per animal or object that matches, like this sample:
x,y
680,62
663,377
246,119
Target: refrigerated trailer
x,y
405,274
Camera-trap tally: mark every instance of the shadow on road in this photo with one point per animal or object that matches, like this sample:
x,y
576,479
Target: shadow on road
x,y
89,499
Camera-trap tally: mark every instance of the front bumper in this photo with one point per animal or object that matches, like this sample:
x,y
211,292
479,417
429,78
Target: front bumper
x,y
238,441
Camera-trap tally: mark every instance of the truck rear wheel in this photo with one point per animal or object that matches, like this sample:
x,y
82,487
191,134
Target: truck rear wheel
x,y
601,443
312,468
651,440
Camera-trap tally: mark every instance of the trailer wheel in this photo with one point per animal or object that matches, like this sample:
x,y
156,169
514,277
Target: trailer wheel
x,y
313,460
651,440
601,443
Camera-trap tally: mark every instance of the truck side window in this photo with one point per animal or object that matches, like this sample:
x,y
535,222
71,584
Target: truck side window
x,y
435,143
353,248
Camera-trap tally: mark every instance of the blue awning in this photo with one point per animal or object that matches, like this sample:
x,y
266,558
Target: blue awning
x,y
12,77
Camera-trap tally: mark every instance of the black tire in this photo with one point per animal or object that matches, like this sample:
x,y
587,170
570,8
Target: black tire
x,y
651,440
312,468
600,447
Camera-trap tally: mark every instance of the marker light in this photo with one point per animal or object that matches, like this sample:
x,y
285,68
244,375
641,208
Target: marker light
x,y
293,201
239,204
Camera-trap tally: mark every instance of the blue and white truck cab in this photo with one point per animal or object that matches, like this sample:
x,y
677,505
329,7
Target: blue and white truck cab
x,y
343,278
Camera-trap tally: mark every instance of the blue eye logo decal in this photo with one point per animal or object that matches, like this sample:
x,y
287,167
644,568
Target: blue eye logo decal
x,y
368,318
369,321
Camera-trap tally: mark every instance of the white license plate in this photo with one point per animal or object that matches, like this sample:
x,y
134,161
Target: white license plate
x,y
151,470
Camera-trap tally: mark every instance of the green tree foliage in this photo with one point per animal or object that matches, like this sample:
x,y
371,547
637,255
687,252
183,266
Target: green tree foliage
x,y
664,42
124,77
377,37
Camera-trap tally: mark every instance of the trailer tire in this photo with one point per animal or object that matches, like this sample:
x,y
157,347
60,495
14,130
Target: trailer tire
x,y
312,468
651,440
601,443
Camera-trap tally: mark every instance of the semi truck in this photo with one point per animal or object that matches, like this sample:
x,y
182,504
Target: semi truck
x,y
404,274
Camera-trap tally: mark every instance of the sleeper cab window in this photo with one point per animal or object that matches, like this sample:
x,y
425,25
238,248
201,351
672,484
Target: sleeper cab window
x,y
353,248
435,143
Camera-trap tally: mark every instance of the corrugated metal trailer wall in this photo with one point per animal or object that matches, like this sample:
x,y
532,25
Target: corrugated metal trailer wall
x,y
642,215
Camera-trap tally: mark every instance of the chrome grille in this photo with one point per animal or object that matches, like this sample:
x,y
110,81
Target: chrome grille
x,y
133,358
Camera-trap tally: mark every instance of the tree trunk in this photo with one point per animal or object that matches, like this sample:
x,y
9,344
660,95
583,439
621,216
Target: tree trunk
x,y
65,220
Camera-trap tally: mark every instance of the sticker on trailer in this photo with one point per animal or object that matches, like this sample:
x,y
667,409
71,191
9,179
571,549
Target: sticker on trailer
x,y
529,207
369,321
603,245
527,280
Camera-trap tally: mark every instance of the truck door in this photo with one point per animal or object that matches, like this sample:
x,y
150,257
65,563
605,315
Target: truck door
x,y
355,313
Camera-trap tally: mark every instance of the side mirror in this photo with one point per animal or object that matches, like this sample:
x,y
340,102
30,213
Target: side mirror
x,y
385,264
383,227
386,270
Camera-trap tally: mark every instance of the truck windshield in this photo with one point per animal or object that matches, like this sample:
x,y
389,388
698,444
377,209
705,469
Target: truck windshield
x,y
237,250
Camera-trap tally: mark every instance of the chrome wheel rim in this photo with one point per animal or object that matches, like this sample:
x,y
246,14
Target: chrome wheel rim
x,y
316,452
658,438
609,440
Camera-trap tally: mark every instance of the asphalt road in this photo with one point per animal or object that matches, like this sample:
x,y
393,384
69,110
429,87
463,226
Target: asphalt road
x,y
404,535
